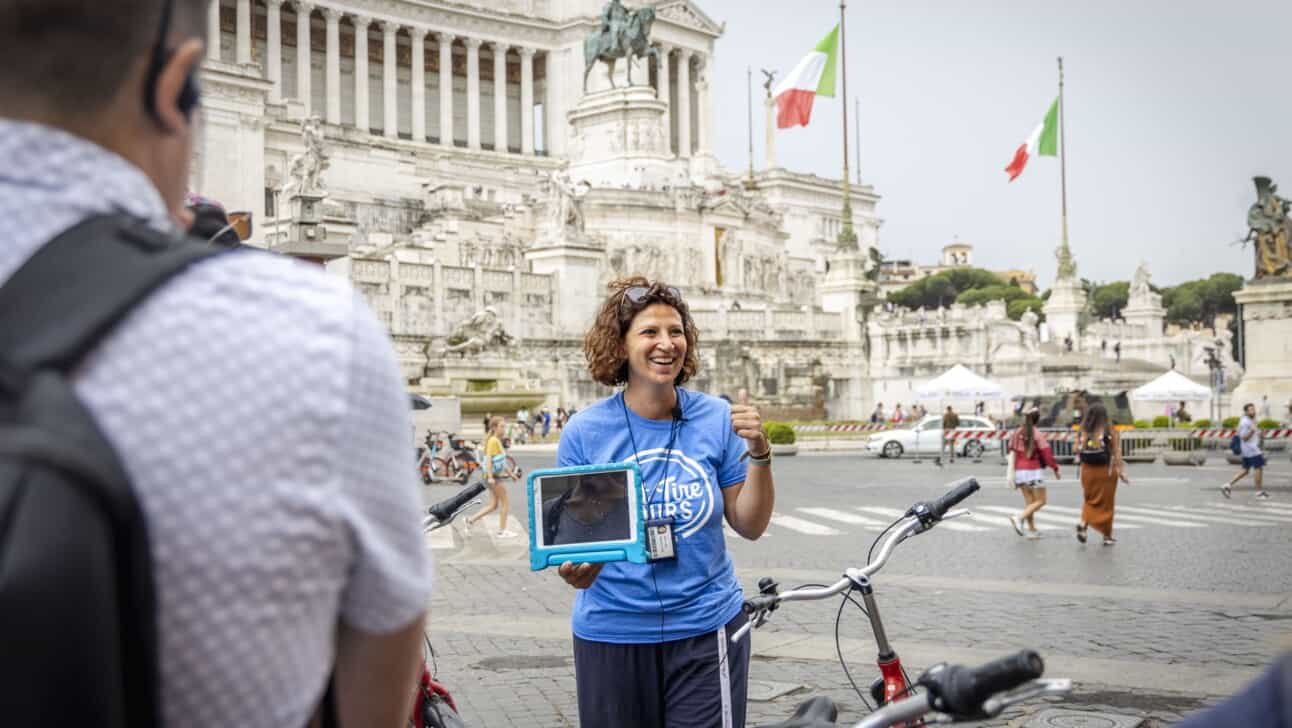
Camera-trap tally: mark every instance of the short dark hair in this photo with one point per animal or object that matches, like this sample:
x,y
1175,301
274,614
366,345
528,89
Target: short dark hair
x,y
72,56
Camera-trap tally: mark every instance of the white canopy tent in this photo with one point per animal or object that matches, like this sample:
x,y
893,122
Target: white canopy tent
x,y
960,383
1172,387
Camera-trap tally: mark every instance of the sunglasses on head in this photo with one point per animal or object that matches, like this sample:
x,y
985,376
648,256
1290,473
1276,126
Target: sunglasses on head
x,y
638,295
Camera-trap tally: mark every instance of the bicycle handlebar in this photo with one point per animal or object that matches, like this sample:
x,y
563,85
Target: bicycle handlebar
x,y
970,693
959,492
918,519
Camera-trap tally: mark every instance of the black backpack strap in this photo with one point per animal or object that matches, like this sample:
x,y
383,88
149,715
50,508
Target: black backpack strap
x,y
67,296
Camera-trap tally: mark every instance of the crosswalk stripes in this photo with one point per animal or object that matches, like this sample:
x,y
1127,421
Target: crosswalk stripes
x,y
1253,519
831,514
1049,519
811,528
1174,522
987,518
1182,512
1263,514
894,513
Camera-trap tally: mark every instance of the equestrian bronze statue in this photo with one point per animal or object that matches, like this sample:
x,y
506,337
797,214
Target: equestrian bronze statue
x,y
623,34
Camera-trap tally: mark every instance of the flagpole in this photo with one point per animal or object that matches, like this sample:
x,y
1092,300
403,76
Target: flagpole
x,y
856,119
749,98
847,238
1063,161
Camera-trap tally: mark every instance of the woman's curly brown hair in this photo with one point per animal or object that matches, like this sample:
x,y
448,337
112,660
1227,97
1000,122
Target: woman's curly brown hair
x,y
603,346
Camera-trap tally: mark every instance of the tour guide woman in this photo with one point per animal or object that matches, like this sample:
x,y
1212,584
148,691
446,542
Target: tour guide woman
x,y
651,641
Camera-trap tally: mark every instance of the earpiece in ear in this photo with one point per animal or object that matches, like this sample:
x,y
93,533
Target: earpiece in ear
x,y
190,94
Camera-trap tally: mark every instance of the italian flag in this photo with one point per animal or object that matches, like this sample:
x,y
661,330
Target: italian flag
x,y
812,77
1044,140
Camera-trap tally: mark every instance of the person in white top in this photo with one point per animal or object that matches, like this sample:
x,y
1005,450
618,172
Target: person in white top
x,y
1249,437
254,401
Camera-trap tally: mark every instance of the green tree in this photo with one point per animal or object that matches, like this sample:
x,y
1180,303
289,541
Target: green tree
x,y
1201,300
979,296
943,288
1107,299
1016,307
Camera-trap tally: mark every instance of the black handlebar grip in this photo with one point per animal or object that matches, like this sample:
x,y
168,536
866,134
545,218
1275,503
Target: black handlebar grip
x,y
962,490
1006,673
961,691
759,603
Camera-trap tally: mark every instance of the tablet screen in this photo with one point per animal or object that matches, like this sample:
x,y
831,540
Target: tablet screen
x,y
584,508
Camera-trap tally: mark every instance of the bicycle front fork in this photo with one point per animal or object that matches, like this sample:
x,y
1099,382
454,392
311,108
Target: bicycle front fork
x,y
891,683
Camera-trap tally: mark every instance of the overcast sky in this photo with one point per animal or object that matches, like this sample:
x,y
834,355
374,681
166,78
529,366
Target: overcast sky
x,y
1171,108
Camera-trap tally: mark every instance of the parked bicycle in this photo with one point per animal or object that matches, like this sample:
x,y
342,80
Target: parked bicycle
x,y
893,686
449,458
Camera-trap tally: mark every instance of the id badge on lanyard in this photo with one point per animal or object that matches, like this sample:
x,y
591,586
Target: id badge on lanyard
x,y
661,543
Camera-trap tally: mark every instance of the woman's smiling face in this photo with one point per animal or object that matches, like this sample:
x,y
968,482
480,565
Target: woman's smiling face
x,y
655,345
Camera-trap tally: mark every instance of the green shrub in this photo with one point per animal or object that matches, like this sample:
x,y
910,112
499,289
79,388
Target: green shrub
x,y
779,433
1161,422
1142,424
1202,424
1268,424
1229,423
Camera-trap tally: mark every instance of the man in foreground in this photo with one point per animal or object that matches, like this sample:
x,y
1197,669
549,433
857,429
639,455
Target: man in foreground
x,y
254,402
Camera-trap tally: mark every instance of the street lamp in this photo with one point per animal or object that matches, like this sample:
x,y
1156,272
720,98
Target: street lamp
x,y
1217,371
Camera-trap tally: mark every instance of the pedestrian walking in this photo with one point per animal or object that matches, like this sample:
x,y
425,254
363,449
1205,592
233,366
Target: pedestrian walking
x,y
547,421
561,417
485,424
1031,455
950,421
1182,414
651,641
1117,351
496,475
1101,465
877,417
1265,407
898,416
263,539
1249,439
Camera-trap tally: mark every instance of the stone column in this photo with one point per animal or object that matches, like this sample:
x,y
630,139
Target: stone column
x,y
333,17
213,30
703,95
303,10
244,31
390,88
500,97
473,93
664,91
418,37
446,87
684,103
274,48
769,138
526,100
361,120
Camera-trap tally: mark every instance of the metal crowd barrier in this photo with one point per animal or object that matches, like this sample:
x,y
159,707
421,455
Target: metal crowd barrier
x,y
1175,447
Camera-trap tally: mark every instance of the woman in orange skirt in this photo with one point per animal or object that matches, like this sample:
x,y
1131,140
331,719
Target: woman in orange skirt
x,y
1101,467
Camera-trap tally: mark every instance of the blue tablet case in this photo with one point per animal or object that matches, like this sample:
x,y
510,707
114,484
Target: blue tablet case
x,y
634,550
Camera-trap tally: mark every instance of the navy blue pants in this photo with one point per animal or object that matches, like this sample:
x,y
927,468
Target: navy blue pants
x,y
698,682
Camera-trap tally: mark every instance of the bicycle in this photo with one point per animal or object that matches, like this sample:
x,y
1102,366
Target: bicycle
x,y
893,682
432,466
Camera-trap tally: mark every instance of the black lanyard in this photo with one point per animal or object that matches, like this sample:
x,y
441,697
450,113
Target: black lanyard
x,y
673,429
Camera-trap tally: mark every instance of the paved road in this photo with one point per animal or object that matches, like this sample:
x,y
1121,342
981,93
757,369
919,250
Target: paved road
x,y
1194,600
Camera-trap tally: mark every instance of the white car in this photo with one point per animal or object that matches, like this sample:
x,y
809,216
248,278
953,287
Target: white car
x,y
925,437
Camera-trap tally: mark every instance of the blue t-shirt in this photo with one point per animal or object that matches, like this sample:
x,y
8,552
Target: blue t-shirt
x,y
698,590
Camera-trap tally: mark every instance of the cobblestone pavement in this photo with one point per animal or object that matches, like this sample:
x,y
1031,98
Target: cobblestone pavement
x,y
1140,651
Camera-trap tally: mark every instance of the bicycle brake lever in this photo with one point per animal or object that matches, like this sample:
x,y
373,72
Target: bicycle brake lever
x,y
1027,691
957,513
